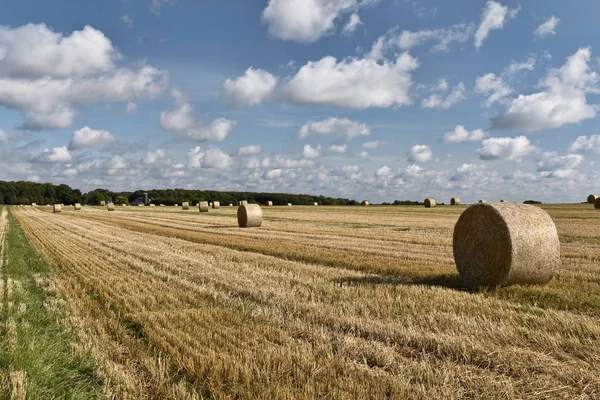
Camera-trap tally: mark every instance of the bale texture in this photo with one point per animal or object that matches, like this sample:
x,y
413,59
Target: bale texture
x,y
185,205
455,201
249,216
592,198
110,207
216,205
505,244
77,206
57,208
430,202
597,203
269,203
203,206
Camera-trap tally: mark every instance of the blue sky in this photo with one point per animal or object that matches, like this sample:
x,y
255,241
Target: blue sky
x,y
377,99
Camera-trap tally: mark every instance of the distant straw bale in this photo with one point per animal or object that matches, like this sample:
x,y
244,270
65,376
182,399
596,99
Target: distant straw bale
x,y
365,203
269,203
57,208
185,205
455,201
592,198
77,206
504,244
315,204
102,203
249,216
597,204
110,207
289,204
430,202
203,206
216,205
482,201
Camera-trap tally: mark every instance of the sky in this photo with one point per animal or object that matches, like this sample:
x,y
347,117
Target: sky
x,y
363,99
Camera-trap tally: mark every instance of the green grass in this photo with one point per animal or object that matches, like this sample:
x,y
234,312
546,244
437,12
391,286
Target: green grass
x,y
43,345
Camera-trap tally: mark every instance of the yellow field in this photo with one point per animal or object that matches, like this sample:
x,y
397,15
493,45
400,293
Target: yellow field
x,y
320,302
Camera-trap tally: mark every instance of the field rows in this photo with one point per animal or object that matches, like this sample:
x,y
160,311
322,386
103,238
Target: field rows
x,y
332,302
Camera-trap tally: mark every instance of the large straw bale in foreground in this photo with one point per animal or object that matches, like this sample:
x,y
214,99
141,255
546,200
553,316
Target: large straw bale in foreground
x,y
504,244
430,202
597,204
77,206
57,208
249,216
110,207
203,206
455,201
592,198
216,205
185,205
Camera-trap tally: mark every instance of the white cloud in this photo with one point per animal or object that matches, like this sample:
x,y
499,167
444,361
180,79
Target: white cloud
x,y
213,158
548,28
58,155
87,137
492,86
311,153
353,83
406,40
250,89
334,148
342,127
274,173
3,136
353,23
552,162
505,147
437,101
249,150
419,153
156,5
461,134
180,119
363,154
562,102
463,172
586,143
131,107
46,75
372,145
493,17
152,157
384,172
516,67
307,20
127,20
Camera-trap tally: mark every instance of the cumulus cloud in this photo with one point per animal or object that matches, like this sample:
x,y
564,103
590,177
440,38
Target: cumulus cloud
x,y
461,134
516,67
372,145
131,107
311,153
46,75
493,17
180,119
493,87
559,165
308,20
353,23
341,127
3,136
437,101
419,153
151,157
406,40
127,20
274,173
249,150
353,83
87,137
586,143
548,28
384,172
212,158
57,155
250,89
335,148
463,172
562,102
505,147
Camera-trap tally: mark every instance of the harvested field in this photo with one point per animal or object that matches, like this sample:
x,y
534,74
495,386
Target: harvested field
x,y
326,302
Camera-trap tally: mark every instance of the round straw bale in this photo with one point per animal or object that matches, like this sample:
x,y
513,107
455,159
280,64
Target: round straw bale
x,y
592,198
430,202
597,203
33,205
269,203
315,204
249,216
176,205
102,203
482,201
289,204
152,205
77,206
185,205
110,207
365,203
230,204
504,244
502,201
243,202
455,201
57,208
203,206
216,205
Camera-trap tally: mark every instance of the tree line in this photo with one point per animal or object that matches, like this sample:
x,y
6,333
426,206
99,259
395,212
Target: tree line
x,y
15,193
